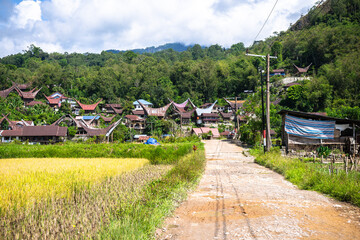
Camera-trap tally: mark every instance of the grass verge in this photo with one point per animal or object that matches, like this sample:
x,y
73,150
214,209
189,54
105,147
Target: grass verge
x,y
313,176
139,219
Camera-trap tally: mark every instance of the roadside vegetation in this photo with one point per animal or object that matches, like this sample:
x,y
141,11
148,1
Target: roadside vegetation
x,y
77,197
309,175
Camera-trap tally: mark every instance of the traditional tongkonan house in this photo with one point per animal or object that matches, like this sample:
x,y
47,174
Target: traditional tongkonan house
x,y
215,109
28,96
308,131
6,92
182,107
301,71
84,128
88,108
26,131
201,111
157,112
22,86
183,112
56,99
234,105
91,121
107,120
112,108
97,132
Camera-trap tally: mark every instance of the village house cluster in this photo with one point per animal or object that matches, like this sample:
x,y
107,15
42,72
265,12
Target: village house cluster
x,y
86,120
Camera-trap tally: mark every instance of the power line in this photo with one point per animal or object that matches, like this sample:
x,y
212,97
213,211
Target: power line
x,y
266,20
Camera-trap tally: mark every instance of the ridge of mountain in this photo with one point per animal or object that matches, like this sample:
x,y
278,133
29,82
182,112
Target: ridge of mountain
x,y
178,47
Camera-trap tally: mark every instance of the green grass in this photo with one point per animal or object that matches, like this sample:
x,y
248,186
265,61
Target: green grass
x,y
313,176
138,220
163,154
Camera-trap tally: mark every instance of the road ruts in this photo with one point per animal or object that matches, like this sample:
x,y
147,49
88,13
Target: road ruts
x,y
238,199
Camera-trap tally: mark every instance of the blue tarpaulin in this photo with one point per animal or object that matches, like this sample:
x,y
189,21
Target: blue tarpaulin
x,y
152,141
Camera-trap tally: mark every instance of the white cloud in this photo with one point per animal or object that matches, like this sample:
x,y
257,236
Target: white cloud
x,y
96,25
26,13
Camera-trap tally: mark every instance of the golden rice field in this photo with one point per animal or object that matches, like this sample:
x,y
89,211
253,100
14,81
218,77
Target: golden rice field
x,y
25,181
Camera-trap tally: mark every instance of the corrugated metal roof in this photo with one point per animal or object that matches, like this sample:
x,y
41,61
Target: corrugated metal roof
x,y
144,102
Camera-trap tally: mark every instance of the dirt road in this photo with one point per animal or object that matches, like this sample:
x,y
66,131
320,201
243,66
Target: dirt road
x,y
238,199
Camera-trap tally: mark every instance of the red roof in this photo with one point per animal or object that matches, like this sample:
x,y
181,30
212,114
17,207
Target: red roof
x,y
278,70
225,133
143,138
214,131
88,107
52,101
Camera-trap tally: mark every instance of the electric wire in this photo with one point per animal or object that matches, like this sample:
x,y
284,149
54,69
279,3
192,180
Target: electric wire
x,y
266,20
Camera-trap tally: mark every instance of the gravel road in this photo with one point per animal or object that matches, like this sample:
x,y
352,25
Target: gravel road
x,y
238,199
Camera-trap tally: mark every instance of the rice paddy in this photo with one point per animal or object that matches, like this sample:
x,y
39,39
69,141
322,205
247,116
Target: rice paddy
x,y
93,198
24,181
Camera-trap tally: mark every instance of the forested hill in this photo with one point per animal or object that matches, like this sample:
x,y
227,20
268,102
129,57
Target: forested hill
x,y
178,47
328,38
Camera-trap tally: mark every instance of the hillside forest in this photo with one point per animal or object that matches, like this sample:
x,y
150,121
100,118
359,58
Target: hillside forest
x,y
328,38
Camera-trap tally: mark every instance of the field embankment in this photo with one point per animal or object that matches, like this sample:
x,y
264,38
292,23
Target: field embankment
x,y
314,176
109,197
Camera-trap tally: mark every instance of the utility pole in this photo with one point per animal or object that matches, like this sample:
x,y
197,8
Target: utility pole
x,y
267,57
262,108
268,137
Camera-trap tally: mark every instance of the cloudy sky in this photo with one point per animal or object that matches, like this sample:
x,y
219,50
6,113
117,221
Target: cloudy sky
x,y
96,25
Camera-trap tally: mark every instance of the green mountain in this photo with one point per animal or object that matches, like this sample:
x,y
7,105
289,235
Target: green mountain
x,y
178,47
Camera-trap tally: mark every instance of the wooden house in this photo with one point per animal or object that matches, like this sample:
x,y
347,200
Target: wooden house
x,y
302,130
209,119
112,108
26,131
135,122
